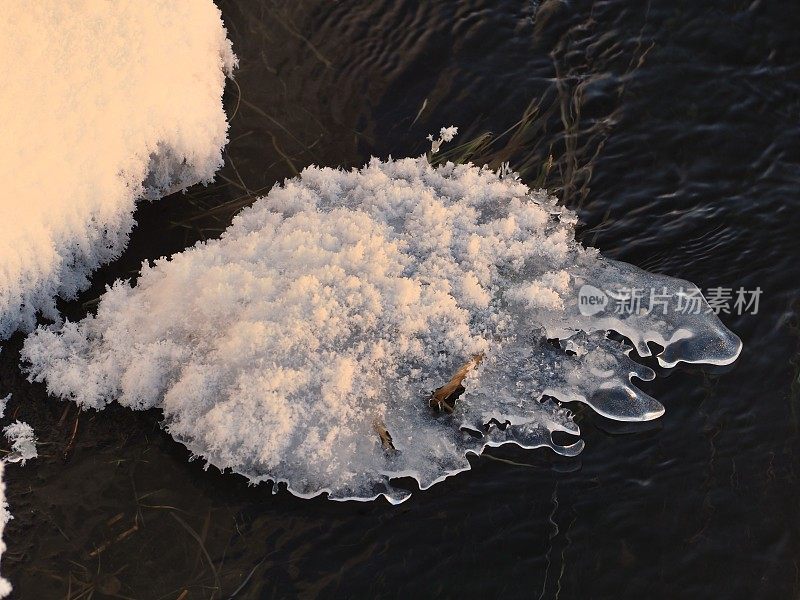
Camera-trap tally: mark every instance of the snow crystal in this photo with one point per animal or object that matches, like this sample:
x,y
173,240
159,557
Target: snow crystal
x,y
23,442
303,346
5,517
446,134
101,103
3,404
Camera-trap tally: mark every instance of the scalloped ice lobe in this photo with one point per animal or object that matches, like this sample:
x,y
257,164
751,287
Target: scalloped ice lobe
x,y
330,309
102,103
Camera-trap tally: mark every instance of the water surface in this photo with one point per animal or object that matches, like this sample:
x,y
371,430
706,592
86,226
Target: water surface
x,y
673,129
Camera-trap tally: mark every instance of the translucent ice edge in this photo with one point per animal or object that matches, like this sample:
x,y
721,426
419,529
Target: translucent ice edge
x,y
303,346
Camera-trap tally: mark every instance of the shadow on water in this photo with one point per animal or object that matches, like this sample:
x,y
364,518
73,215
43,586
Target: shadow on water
x,y
670,126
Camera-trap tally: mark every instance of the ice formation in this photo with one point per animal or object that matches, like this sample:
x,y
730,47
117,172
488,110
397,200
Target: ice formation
x,y
101,103
303,346
446,134
23,442
3,403
5,517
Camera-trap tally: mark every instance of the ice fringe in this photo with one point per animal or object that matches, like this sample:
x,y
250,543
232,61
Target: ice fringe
x,y
101,103
23,447
302,347
23,442
446,134
5,517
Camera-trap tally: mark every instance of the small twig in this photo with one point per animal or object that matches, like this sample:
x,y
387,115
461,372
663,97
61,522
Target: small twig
x,y
199,541
419,114
71,442
236,171
203,536
290,28
383,433
506,461
246,579
439,397
64,415
238,100
103,547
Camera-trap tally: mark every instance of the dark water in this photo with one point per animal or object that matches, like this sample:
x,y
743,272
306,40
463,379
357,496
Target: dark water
x,y
673,127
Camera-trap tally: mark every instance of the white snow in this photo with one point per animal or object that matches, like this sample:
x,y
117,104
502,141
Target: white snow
x,y
101,103
5,517
334,306
23,447
3,404
446,134
23,442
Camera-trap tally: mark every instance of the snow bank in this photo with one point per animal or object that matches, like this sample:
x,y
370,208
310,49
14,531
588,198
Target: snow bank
x,y
303,346
101,103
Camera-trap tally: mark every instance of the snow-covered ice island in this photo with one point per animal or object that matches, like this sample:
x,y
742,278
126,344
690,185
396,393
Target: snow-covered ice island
x,y
324,339
348,328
